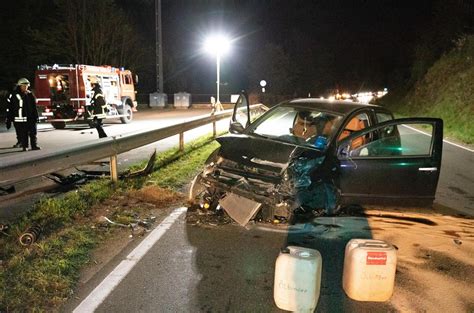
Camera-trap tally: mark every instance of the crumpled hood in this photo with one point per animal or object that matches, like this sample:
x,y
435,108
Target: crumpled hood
x,y
261,153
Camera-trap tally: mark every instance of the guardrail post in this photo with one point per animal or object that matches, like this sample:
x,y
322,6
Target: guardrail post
x,y
113,168
214,131
181,142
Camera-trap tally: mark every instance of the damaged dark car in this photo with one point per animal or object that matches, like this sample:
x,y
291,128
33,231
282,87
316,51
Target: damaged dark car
x,y
312,156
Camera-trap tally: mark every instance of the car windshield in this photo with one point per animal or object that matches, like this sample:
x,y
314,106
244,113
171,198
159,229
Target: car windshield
x,y
302,126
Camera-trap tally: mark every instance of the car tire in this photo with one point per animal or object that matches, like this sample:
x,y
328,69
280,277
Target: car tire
x,y
206,198
127,111
196,189
332,209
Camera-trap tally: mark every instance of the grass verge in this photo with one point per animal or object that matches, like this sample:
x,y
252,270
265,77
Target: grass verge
x,y
42,276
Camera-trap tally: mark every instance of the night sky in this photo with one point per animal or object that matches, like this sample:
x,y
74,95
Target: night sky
x,y
331,44
316,46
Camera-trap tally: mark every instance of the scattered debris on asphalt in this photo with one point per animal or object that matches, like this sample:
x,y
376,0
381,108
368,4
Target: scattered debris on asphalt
x,y
197,216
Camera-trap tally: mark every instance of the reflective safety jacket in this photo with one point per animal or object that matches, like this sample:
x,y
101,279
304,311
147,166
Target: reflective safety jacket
x,y
21,107
98,104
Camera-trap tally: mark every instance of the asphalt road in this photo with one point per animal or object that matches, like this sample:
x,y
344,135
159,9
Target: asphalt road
x,y
456,182
229,269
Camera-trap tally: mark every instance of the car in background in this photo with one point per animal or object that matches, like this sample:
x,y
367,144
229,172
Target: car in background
x,y
312,156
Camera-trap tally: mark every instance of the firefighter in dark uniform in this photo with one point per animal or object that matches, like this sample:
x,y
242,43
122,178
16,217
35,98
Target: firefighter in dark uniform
x,y
98,106
22,112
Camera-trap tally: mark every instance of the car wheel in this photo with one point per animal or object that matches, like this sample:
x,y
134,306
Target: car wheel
x,y
333,201
59,125
202,196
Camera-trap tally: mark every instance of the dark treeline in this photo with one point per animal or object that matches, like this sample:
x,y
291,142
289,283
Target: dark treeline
x,y
299,47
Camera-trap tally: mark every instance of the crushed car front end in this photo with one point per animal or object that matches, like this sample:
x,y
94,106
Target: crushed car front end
x,y
277,178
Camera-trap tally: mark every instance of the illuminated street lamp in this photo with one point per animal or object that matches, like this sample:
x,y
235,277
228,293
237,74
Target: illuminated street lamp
x,y
218,46
263,83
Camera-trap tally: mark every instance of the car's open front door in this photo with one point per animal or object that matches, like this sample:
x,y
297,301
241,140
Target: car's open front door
x,y
241,116
398,162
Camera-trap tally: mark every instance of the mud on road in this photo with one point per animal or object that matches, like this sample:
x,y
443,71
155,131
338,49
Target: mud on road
x,y
435,256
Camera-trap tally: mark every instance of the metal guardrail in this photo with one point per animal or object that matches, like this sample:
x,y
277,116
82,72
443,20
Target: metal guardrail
x,y
60,159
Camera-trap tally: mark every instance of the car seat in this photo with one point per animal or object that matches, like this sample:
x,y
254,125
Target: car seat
x,y
303,127
354,125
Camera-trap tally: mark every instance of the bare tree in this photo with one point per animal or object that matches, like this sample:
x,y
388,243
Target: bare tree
x,y
88,32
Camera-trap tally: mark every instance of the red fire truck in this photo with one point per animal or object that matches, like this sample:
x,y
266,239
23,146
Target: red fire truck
x,y
65,92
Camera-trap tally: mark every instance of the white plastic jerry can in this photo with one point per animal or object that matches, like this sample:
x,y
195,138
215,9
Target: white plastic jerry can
x,y
369,270
297,279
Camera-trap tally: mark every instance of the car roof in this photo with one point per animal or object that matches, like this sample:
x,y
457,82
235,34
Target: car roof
x,y
335,106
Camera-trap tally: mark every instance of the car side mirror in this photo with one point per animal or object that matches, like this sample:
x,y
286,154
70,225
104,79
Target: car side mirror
x,y
236,128
343,151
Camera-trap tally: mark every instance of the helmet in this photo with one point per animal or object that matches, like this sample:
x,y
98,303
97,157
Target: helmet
x,y
23,81
93,80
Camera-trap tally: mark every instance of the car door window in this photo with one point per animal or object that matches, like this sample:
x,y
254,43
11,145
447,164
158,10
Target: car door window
x,y
241,111
355,124
396,141
383,117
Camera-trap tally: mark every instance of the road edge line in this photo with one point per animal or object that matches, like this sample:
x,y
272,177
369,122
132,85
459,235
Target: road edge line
x,y
445,140
98,295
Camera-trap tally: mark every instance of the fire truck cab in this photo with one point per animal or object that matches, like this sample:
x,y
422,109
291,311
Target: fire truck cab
x,y
65,93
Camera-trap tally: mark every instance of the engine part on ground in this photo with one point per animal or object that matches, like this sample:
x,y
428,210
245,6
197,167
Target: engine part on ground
x,y
7,190
30,235
74,178
240,209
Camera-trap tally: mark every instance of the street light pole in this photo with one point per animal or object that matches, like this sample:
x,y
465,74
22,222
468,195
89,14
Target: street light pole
x,y
159,52
218,66
217,46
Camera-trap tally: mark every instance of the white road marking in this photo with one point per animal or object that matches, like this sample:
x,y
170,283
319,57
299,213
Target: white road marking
x,y
98,295
447,141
